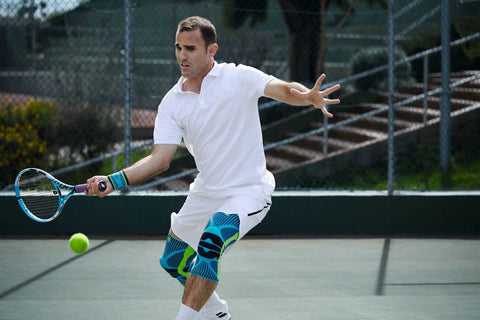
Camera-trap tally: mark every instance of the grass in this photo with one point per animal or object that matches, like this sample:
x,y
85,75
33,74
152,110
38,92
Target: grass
x,y
413,175
418,169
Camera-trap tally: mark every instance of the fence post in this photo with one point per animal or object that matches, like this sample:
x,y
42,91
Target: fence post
x,y
425,89
127,132
445,103
391,88
325,135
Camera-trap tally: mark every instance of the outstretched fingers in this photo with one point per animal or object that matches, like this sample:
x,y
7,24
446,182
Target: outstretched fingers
x,y
325,111
316,97
330,90
319,82
331,101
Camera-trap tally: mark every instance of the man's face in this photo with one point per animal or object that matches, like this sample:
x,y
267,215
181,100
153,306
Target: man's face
x,y
194,59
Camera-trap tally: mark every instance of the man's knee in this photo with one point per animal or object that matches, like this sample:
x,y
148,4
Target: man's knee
x,y
177,258
221,232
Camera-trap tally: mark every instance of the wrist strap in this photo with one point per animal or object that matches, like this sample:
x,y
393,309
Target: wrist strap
x,y
118,180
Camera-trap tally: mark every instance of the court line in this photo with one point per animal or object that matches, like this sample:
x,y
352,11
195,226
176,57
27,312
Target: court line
x,y
382,270
50,270
434,284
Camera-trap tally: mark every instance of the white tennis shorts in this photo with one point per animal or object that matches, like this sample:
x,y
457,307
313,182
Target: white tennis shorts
x,y
250,203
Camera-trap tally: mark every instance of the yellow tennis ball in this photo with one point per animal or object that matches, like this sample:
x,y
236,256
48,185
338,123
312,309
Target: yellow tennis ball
x,y
79,243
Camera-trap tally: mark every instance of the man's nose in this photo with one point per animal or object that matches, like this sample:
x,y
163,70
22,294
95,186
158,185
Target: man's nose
x,y
182,55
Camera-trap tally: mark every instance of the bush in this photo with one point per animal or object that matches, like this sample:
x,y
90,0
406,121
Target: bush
x,y
370,58
41,134
85,132
463,57
23,132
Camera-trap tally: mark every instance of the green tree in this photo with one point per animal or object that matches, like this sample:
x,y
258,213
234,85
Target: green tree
x,y
24,132
306,24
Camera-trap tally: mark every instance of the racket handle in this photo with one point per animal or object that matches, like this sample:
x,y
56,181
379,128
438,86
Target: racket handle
x,y
83,187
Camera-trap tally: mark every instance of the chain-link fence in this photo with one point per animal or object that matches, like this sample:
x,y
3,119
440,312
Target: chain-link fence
x,y
69,70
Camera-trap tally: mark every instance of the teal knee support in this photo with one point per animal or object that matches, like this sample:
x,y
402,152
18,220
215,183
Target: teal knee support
x,y
177,258
222,231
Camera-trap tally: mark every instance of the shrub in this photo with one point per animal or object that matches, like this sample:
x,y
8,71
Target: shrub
x,y
372,57
23,132
463,57
85,132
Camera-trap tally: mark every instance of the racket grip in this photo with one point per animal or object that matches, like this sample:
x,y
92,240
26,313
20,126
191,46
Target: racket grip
x,y
83,187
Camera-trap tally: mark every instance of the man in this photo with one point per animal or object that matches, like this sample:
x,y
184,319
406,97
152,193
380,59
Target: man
x,y
214,109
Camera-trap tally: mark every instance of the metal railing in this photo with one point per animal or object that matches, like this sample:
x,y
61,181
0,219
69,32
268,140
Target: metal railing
x,y
425,54
328,127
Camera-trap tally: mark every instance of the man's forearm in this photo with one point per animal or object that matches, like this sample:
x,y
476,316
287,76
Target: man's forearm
x,y
281,91
144,169
151,165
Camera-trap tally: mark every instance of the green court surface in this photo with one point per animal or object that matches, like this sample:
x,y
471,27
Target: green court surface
x,y
262,278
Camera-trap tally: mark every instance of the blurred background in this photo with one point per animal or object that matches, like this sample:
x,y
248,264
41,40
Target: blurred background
x,y
80,82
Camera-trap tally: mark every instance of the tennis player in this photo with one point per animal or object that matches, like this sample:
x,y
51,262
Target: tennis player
x,y
214,108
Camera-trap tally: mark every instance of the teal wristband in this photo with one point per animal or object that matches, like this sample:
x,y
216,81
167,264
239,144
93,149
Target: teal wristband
x,y
118,180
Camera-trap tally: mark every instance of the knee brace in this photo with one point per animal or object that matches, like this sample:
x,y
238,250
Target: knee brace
x,y
222,231
177,258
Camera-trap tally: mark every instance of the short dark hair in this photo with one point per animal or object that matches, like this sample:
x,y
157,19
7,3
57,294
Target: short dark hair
x,y
209,34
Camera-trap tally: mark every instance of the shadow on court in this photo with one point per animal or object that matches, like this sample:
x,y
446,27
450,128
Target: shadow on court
x,y
264,279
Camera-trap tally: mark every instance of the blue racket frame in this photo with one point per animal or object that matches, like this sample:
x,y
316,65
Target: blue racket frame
x,y
62,199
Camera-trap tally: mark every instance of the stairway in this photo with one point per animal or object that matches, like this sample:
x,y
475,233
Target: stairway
x,y
371,130
288,158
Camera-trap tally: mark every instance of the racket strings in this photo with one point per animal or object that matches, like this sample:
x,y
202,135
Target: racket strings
x,y
39,195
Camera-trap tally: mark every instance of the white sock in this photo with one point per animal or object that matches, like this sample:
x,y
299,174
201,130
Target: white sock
x,y
187,313
213,302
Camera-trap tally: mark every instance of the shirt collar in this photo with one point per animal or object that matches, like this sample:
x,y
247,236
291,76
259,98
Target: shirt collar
x,y
214,72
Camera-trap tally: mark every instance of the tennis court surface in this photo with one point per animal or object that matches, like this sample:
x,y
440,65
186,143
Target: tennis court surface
x,y
262,278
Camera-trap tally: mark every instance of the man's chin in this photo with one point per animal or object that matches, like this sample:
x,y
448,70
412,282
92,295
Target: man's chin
x,y
185,73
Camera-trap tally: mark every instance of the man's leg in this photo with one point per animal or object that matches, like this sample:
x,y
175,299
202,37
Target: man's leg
x,y
177,260
222,231
197,291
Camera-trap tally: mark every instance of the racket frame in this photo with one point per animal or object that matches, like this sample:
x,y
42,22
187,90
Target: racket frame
x,y
62,199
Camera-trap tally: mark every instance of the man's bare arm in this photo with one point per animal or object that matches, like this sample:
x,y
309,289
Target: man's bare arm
x,y
157,162
296,94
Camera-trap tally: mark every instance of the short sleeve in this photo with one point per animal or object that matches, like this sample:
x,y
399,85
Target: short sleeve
x,y
254,79
167,130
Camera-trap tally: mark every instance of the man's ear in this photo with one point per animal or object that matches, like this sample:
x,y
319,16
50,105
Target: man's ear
x,y
212,49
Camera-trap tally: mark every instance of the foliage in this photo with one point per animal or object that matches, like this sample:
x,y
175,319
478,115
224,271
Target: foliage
x,y
237,12
372,57
417,169
42,134
464,57
304,22
24,131
84,132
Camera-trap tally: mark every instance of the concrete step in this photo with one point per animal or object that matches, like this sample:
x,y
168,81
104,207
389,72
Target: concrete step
x,y
436,78
294,153
314,143
457,92
376,123
178,184
350,134
275,163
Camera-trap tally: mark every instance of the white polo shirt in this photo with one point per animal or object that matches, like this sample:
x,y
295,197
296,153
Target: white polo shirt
x,y
220,127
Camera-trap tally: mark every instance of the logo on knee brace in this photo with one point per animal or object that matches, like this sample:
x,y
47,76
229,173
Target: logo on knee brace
x,y
220,233
210,246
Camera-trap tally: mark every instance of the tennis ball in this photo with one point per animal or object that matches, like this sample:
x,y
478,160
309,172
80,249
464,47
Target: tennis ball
x,y
79,243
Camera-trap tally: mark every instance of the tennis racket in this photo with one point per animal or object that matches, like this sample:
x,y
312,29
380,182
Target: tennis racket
x,y
41,196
